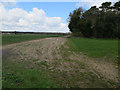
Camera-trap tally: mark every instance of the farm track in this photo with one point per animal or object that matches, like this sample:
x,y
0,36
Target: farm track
x,y
69,64
36,49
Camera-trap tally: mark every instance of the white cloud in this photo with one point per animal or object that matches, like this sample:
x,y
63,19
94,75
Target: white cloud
x,y
36,20
90,3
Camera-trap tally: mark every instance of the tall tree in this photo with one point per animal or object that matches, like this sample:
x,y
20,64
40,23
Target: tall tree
x,y
117,5
95,22
74,18
105,6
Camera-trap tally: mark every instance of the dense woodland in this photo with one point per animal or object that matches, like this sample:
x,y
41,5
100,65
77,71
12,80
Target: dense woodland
x,y
102,22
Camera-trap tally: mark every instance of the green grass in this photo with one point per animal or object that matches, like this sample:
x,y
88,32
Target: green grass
x,y
12,38
20,75
29,78
94,47
43,63
34,60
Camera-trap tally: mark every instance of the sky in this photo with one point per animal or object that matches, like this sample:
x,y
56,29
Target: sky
x,y
39,16
52,9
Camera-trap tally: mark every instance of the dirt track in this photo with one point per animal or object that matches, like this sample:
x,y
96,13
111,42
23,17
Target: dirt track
x,y
48,50
41,49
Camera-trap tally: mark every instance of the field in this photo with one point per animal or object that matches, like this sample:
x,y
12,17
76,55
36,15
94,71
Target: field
x,y
96,48
59,62
12,38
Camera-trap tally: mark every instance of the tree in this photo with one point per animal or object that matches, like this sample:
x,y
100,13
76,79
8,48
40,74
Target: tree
x,y
85,28
117,5
95,22
105,6
15,32
91,16
74,18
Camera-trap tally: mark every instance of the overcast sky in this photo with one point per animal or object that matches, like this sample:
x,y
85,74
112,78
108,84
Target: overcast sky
x,y
40,16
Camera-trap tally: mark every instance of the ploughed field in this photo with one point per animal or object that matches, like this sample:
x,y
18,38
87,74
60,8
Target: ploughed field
x,y
59,62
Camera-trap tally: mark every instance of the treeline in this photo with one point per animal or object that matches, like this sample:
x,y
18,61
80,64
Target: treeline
x,y
102,22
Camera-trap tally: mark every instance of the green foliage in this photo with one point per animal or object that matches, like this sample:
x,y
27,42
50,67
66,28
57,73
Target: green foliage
x,y
86,28
105,6
102,22
117,5
74,18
